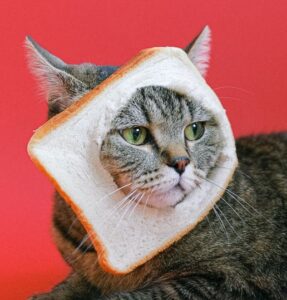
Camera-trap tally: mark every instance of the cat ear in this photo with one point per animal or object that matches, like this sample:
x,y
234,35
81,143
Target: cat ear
x,y
59,86
199,50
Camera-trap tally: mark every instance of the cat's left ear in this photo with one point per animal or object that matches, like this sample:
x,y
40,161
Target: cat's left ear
x,y
199,50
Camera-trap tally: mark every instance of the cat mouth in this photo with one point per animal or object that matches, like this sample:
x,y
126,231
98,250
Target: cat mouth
x,y
167,194
169,198
179,201
181,187
185,193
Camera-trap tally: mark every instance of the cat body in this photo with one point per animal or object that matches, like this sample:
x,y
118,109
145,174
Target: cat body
x,y
237,252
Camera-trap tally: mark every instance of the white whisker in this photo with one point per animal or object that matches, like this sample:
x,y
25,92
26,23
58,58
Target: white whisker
x,y
227,221
84,239
118,206
232,209
210,225
243,173
222,223
237,198
233,87
230,97
105,197
137,203
113,192
79,215
127,206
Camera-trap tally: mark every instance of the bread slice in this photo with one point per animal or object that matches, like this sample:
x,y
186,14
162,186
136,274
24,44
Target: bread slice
x,y
67,150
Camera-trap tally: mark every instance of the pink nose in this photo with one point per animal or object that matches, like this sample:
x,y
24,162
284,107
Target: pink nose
x,y
180,163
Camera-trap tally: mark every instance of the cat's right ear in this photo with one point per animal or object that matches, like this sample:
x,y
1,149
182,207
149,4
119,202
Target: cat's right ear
x,y
56,82
199,50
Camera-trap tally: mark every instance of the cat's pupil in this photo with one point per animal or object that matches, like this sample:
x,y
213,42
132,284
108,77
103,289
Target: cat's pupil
x,y
136,132
194,128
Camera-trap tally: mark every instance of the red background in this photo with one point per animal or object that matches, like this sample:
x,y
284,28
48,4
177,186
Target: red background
x,y
248,70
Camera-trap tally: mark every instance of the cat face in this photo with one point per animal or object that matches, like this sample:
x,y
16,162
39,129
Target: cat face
x,y
158,144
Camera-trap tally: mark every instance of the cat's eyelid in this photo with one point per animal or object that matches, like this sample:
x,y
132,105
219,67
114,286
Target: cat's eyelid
x,y
199,121
199,114
126,126
203,119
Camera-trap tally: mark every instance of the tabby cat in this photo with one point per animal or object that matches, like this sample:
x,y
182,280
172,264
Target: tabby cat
x,y
167,144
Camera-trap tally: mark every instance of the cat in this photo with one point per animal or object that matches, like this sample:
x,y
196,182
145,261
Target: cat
x,y
239,251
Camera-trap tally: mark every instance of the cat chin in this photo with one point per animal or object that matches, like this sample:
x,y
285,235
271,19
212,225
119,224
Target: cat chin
x,y
164,200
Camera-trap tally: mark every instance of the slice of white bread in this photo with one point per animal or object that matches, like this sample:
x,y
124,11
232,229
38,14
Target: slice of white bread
x,y
67,150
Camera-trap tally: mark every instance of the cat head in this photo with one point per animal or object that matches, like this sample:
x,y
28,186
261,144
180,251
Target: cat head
x,y
161,143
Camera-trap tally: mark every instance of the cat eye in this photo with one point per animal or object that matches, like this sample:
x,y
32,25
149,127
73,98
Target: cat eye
x,y
194,131
135,135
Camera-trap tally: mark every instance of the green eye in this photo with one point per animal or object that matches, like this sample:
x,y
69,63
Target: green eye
x,y
135,135
194,131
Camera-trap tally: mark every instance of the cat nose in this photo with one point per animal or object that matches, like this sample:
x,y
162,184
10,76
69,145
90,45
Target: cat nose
x,y
180,163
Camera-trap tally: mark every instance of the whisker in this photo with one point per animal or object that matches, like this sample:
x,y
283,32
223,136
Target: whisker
x,y
231,97
210,225
113,192
84,239
88,236
237,198
222,213
73,223
136,204
128,206
235,88
243,173
232,209
222,223
124,204
105,197
228,192
244,201
118,206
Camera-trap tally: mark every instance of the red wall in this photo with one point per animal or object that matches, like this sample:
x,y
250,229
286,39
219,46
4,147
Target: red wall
x,y
248,69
